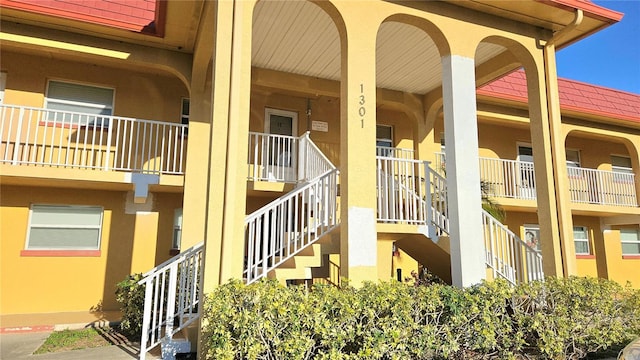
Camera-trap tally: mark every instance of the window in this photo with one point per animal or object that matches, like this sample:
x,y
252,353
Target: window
x,y
177,229
384,139
90,101
630,239
184,113
62,227
573,158
532,236
3,83
621,166
581,240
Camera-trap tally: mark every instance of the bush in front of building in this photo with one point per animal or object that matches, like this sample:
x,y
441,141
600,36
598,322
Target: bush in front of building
x,y
130,295
558,318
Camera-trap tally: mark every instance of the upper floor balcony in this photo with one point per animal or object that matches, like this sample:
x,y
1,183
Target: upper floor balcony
x,y
40,137
516,180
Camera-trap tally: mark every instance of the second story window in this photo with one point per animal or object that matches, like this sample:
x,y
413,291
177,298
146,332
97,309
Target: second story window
x,y
573,158
384,139
184,113
77,104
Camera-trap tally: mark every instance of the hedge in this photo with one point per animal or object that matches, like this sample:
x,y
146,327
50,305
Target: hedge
x,y
555,319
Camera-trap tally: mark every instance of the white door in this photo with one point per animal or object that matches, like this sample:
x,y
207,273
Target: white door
x,y
526,183
280,151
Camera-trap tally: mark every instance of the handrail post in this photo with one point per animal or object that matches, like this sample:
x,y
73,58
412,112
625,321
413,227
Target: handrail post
x,y
146,318
428,202
16,148
108,150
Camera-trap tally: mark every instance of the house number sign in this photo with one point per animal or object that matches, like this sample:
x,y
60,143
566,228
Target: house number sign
x,y
361,109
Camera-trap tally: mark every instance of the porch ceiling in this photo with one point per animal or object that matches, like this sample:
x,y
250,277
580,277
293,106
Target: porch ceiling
x,y
298,37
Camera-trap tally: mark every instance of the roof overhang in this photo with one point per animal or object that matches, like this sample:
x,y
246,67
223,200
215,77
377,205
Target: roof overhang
x,y
539,13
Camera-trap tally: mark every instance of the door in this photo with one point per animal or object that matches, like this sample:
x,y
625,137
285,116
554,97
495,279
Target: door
x,y
525,183
280,150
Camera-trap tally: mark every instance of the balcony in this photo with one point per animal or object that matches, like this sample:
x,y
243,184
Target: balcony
x,y
60,139
516,180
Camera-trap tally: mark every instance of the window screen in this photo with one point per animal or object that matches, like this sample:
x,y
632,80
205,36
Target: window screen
x,y
65,227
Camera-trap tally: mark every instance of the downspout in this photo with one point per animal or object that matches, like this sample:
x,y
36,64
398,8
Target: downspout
x,y
557,139
577,20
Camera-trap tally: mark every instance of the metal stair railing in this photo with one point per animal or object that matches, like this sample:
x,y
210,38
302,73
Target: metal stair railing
x,y
403,197
281,229
507,255
285,158
172,297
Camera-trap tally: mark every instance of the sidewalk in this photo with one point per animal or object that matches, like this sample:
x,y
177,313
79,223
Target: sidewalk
x,y
22,345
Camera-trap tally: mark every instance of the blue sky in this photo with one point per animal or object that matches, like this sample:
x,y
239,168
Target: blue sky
x,y
610,57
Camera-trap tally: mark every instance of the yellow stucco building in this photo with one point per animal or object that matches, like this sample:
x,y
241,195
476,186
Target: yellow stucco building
x,y
304,141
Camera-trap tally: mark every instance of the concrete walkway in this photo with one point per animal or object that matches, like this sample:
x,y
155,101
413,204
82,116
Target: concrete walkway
x,y
22,345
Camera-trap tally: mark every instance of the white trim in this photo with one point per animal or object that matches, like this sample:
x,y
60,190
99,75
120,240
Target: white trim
x,y
292,114
86,84
585,231
3,85
30,226
579,157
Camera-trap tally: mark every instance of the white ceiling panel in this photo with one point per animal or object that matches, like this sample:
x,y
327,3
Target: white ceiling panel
x,y
299,37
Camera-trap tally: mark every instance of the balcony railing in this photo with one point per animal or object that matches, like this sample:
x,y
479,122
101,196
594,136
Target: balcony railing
x,y
516,180
284,158
63,139
602,187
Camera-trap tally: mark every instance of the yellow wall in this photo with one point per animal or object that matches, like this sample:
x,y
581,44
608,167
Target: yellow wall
x,y
138,95
68,284
595,153
588,265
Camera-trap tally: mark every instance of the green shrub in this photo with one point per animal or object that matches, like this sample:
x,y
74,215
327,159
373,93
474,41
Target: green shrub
x,y
130,295
560,318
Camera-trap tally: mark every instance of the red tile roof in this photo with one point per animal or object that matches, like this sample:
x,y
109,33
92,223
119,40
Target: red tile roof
x,y
135,15
574,96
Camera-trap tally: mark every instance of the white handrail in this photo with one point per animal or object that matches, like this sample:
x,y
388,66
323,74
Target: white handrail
x,y
507,255
284,227
285,158
172,293
36,136
508,178
602,187
401,190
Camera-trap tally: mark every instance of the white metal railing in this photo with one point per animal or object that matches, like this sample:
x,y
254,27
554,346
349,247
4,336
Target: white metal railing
x,y
508,178
172,297
284,227
401,190
405,187
394,152
35,136
602,187
438,196
507,255
311,161
274,157
285,158
439,164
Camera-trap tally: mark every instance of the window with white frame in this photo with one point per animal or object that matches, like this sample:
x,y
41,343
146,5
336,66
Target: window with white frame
x,y
384,139
622,168
532,236
581,240
630,239
177,229
64,227
184,112
573,158
77,104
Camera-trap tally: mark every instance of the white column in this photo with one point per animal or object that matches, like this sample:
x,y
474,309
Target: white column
x,y
463,171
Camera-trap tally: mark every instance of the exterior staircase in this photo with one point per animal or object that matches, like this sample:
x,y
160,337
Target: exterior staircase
x,y
411,192
294,236
283,237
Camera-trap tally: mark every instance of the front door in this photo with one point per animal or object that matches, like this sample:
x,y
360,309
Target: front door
x,y
281,149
